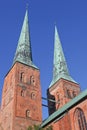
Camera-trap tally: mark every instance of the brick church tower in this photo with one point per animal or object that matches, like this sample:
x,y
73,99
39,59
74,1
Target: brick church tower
x,y
67,104
62,88
21,96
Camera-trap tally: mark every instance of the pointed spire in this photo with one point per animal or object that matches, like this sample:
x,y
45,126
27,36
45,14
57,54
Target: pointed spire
x,y
60,69
23,52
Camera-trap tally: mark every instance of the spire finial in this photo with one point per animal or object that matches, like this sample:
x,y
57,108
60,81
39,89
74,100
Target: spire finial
x,y
55,23
27,6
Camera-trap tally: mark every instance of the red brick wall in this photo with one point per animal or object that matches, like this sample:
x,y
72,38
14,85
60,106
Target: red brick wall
x,y
67,120
83,106
15,103
59,91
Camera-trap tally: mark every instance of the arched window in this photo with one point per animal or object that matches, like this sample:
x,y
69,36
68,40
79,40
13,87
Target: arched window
x,y
22,76
80,120
58,97
28,113
33,96
22,93
32,81
68,94
58,100
74,94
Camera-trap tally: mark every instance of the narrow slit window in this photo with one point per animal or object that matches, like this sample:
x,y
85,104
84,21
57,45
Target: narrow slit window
x,y
32,81
74,94
69,94
22,93
22,76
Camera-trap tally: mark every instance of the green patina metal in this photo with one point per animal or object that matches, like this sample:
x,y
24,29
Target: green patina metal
x,y
60,69
65,108
23,52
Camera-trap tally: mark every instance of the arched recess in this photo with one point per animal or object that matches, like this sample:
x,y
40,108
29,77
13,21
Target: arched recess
x,y
28,113
22,77
32,80
79,120
22,93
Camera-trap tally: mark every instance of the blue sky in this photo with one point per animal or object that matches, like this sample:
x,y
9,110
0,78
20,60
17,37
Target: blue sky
x,y
70,17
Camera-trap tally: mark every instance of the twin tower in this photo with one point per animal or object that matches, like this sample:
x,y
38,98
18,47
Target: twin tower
x,y
21,103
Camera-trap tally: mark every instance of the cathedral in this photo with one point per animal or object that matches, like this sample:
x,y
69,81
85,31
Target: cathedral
x,y
21,103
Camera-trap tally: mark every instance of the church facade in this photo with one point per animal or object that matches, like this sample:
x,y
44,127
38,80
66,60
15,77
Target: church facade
x,y
21,104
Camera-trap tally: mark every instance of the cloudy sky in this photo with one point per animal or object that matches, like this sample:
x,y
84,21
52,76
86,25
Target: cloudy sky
x,y
70,17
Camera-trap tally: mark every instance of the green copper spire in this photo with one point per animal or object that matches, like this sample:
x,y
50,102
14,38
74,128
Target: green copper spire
x,y
23,52
60,69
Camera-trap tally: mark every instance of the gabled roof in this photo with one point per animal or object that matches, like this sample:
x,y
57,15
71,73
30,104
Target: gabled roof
x,y
64,109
